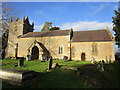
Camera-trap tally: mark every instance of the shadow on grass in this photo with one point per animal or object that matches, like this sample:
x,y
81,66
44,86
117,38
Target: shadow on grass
x,y
90,77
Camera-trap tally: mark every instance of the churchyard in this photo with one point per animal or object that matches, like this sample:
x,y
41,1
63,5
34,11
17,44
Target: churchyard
x,y
69,74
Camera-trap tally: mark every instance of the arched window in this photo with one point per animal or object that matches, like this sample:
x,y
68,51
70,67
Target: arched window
x,y
60,50
94,49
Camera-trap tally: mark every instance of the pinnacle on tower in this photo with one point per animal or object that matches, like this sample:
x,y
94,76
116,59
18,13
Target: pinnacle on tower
x,y
26,18
11,19
32,24
16,19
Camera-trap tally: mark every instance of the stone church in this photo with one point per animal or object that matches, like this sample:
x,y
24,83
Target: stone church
x,y
75,45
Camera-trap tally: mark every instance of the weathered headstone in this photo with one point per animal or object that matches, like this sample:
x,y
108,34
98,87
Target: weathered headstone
x,y
98,66
102,66
50,63
43,58
109,61
21,62
103,62
28,58
65,58
92,60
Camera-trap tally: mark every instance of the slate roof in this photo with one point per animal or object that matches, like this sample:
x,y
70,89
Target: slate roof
x,y
47,33
93,35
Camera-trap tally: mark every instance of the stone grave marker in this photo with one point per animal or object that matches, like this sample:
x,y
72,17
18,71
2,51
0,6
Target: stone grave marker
x,y
98,66
43,58
92,60
21,62
50,63
28,58
102,66
65,58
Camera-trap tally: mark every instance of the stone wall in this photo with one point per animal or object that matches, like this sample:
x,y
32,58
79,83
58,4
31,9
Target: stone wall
x,y
105,50
51,43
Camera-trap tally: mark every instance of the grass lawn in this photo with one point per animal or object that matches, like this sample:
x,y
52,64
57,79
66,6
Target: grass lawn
x,y
91,77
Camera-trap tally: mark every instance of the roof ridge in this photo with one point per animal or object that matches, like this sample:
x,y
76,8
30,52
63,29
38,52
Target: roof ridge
x,y
55,30
90,30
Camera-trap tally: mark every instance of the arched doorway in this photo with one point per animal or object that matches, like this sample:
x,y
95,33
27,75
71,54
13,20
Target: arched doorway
x,y
83,57
35,53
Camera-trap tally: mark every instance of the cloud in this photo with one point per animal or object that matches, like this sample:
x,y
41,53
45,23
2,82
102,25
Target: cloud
x,y
82,26
96,8
86,25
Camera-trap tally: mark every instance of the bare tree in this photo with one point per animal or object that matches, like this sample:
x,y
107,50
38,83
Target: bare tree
x,y
5,17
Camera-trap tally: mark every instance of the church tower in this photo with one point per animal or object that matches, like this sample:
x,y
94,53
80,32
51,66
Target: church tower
x,y
17,28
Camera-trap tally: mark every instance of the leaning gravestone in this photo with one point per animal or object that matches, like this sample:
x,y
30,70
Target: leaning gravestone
x,y
21,62
50,63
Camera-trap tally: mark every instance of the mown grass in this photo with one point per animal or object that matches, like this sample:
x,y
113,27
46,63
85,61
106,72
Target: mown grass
x,y
91,77
37,65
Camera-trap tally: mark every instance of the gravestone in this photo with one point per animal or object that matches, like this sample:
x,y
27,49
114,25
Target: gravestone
x,y
103,62
43,58
50,63
109,61
21,62
99,64
92,60
28,58
65,58
102,66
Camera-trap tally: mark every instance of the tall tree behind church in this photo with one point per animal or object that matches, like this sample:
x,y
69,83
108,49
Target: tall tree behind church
x,y
116,25
47,26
